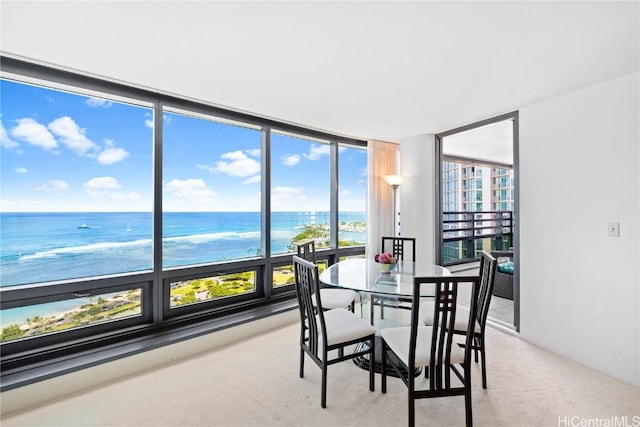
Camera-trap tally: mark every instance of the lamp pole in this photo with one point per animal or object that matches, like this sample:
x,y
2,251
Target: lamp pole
x,y
394,181
396,215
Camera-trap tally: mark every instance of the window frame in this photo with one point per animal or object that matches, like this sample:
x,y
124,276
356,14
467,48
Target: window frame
x,y
154,284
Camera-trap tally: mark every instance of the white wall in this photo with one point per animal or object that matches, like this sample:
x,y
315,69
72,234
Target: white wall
x,y
416,194
579,163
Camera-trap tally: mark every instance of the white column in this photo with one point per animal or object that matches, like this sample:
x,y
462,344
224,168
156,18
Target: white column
x,y
417,194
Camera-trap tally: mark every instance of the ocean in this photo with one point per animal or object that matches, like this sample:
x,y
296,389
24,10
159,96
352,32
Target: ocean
x,y
38,247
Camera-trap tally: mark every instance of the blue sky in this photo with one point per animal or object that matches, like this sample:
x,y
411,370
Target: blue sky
x,y
69,152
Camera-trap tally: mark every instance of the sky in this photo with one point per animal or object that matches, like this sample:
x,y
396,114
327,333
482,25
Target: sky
x,y
65,152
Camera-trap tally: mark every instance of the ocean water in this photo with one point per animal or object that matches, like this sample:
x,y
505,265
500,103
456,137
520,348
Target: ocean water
x,y
38,247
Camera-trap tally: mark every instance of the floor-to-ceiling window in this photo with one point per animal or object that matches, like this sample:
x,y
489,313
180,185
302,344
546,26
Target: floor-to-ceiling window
x,y
123,207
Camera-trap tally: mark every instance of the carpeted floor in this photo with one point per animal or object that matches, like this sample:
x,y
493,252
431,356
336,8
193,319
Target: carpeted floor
x,y
255,382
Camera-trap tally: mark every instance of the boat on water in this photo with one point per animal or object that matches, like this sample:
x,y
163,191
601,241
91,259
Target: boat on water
x,y
83,226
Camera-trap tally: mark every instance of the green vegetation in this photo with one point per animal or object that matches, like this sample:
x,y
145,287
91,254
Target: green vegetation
x,y
191,291
186,292
96,311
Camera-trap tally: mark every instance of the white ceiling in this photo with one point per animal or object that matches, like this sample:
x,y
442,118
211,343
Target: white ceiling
x,y
371,70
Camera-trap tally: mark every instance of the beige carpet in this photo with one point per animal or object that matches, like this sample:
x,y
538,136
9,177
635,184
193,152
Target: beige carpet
x,y
255,383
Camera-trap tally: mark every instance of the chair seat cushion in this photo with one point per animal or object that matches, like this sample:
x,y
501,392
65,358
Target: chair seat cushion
x,y
462,316
335,298
343,326
398,340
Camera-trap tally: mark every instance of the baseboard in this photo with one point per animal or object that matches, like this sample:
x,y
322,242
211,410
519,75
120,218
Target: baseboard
x,y
37,394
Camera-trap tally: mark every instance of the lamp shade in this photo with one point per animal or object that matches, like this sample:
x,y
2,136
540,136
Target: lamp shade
x,y
394,180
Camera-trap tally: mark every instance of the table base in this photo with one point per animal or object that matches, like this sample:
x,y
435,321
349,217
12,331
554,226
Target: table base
x,y
363,361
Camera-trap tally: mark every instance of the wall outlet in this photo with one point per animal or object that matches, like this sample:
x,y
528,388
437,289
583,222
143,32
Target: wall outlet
x,y
614,229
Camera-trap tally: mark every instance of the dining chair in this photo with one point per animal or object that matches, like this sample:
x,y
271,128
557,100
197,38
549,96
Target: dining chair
x,y
399,247
331,298
323,331
433,347
487,277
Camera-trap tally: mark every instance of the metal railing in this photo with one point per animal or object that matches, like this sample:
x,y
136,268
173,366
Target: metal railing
x,y
466,234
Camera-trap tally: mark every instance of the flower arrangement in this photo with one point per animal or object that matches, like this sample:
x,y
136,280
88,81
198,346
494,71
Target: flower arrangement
x,y
385,258
385,262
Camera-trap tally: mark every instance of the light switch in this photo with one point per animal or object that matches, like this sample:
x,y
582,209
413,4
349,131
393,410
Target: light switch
x,y
614,229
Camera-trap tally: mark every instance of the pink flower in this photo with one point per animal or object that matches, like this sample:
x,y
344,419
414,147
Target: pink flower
x,y
385,258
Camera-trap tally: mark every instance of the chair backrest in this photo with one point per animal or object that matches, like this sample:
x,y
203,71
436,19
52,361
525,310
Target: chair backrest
x,y
443,328
397,245
307,250
311,318
488,265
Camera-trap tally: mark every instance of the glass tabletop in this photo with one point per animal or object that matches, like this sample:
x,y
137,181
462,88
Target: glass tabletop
x,y
363,275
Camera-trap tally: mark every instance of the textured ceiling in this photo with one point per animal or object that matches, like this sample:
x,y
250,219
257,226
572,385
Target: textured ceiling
x,y
371,70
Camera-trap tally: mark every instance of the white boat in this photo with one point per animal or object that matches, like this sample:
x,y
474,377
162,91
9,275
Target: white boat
x,y
83,226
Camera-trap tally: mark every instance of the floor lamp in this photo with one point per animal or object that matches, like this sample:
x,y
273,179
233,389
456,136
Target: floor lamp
x,y
394,181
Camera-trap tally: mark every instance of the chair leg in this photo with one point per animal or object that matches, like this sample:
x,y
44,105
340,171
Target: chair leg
x,y
371,305
467,402
301,363
372,344
475,348
323,399
384,367
484,363
412,409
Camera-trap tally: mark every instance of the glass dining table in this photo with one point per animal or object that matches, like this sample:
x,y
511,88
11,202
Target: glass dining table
x,y
365,277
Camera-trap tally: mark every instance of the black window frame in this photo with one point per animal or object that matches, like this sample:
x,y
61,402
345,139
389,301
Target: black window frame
x,y
154,284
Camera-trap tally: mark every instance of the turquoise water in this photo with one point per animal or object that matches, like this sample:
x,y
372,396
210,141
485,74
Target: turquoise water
x,y
38,247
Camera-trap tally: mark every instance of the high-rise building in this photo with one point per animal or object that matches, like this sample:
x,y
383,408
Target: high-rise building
x,y
486,191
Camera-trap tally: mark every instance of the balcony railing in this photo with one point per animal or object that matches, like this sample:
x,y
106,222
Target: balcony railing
x,y
466,234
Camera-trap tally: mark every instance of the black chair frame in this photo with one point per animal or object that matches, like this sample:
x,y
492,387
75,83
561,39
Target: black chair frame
x,y
487,277
397,245
313,329
440,366
307,251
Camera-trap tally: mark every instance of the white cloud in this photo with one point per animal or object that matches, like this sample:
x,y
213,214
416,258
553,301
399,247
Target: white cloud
x,y
5,141
149,122
344,193
21,170
54,186
282,197
290,159
98,102
194,190
254,152
72,135
253,180
35,134
101,186
316,151
112,154
236,163
107,186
